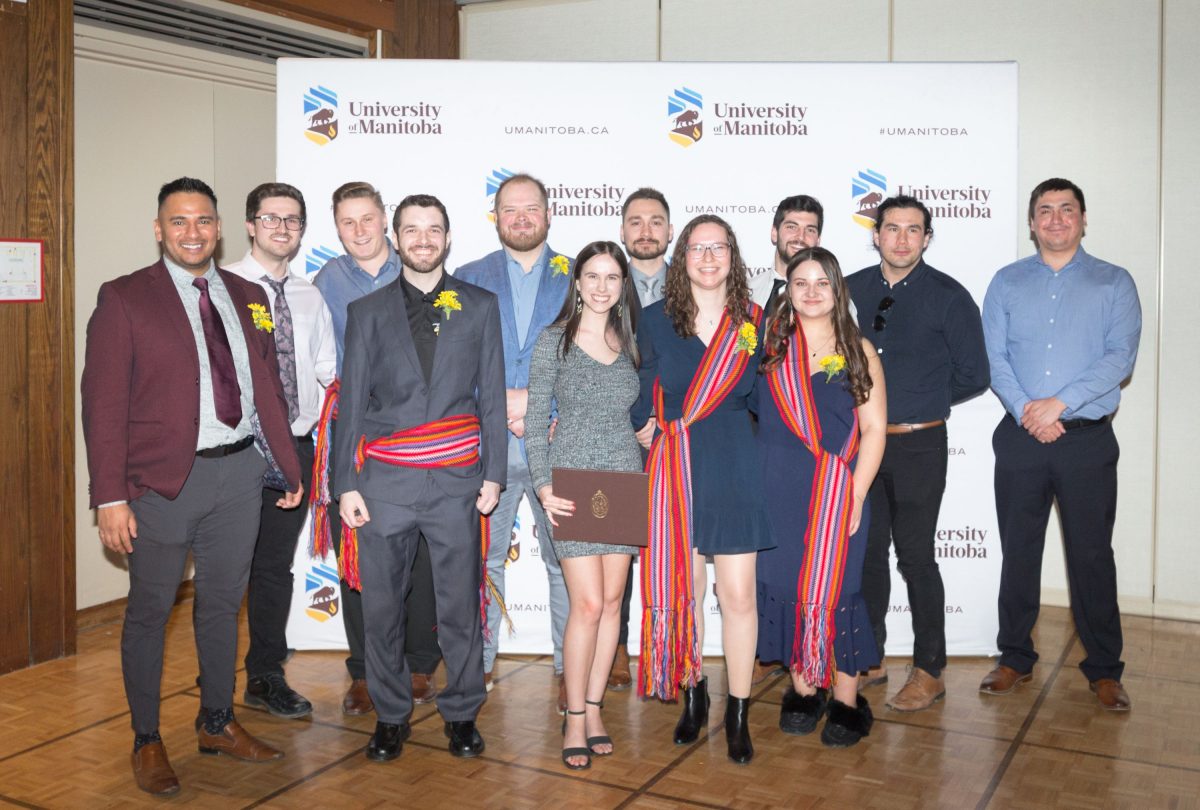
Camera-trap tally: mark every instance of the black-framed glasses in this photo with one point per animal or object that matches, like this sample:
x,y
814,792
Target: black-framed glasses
x,y
271,222
881,313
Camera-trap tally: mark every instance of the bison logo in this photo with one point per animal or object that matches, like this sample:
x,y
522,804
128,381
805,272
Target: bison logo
x,y
868,189
320,112
684,108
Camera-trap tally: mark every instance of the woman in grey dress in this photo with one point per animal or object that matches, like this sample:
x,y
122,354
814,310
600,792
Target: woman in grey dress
x,y
586,362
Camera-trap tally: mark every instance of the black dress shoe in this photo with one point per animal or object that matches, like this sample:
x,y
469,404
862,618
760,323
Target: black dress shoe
x,y
388,741
695,713
465,740
271,692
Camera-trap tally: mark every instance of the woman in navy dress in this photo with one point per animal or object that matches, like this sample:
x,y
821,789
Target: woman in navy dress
x,y
837,396
706,315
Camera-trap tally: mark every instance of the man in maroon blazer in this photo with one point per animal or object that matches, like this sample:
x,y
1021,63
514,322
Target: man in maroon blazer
x,y
180,371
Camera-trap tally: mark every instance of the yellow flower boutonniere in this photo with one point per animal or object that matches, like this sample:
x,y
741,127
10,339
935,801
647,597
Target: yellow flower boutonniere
x,y
447,302
261,317
747,338
560,265
832,365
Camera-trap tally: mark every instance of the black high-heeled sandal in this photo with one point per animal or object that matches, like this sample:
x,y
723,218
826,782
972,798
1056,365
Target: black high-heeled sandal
x,y
567,753
601,739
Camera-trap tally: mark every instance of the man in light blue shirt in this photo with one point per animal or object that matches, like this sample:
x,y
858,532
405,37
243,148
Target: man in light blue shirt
x,y
1062,331
531,281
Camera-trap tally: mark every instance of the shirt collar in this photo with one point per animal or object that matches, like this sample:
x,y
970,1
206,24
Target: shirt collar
x,y
539,264
1080,257
914,275
184,278
412,293
390,265
643,279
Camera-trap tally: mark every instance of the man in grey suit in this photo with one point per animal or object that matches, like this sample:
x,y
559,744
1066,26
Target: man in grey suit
x,y
420,449
531,281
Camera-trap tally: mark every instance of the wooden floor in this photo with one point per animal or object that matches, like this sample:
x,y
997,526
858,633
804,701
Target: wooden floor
x,y
66,741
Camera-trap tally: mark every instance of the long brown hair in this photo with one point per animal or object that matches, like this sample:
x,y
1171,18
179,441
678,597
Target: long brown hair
x,y
847,338
622,319
679,303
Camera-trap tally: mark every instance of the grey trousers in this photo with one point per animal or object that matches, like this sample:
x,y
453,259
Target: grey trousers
x,y
502,520
215,517
387,546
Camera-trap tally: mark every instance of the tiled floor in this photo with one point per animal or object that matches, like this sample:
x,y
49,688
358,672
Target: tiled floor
x,y
66,741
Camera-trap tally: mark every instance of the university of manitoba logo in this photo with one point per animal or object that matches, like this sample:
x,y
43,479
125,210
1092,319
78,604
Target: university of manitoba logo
x,y
316,258
868,188
322,590
684,108
320,111
492,185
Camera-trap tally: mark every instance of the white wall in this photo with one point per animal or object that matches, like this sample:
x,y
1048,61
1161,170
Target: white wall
x,y
147,112
1107,98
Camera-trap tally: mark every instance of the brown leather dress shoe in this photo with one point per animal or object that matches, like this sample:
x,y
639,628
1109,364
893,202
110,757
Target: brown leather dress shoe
x,y
921,692
152,770
1002,680
423,688
238,743
620,679
358,699
562,693
1111,694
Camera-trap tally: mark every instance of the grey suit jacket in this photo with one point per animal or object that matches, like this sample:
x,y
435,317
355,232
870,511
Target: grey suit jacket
x,y
383,391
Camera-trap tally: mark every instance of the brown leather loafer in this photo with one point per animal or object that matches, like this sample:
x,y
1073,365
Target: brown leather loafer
x,y
921,692
152,770
358,699
238,743
620,678
423,688
562,693
1002,680
1111,694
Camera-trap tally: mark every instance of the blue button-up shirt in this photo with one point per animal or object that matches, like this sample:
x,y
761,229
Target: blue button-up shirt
x,y
525,289
1071,334
341,281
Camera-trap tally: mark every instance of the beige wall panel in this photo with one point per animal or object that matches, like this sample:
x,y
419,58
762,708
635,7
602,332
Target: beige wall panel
x,y
134,130
1178,561
560,30
1089,112
244,156
775,31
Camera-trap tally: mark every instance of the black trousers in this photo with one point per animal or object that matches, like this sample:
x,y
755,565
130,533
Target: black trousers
x,y
270,596
388,547
905,500
1079,470
421,651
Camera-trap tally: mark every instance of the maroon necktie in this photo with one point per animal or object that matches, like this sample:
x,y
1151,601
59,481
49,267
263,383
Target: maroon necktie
x,y
227,394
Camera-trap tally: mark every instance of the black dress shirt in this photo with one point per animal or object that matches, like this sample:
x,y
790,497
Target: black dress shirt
x,y
424,320
930,340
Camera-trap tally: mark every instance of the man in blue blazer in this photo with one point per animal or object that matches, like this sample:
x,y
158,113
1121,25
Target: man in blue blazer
x,y
531,282
420,449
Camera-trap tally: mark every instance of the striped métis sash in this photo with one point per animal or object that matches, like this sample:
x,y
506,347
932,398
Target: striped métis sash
x,y
318,496
827,535
452,441
670,647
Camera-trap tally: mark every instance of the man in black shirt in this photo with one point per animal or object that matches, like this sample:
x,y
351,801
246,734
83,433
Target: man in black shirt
x,y
927,331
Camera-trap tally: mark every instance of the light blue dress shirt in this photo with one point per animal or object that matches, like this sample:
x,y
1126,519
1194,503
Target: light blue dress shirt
x,y
525,289
341,281
1071,334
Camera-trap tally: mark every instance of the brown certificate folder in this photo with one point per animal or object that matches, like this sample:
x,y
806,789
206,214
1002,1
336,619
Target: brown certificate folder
x,y
610,507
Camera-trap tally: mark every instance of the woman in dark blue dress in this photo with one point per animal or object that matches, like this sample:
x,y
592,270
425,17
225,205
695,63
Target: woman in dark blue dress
x,y
700,351
822,424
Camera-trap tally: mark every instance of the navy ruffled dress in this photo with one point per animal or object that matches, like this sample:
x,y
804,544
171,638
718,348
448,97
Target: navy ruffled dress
x,y
788,469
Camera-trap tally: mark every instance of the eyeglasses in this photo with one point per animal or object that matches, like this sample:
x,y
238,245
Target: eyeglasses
x,y
880,318
271,222
717,249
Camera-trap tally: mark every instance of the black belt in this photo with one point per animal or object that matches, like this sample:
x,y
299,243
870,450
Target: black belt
x,y
226,449
1075,424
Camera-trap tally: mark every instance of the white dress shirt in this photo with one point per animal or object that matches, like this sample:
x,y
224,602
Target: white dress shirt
x,y
316,349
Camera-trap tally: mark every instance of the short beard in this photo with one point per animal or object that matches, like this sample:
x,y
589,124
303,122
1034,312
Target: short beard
x,y
522,244
424,267
643,255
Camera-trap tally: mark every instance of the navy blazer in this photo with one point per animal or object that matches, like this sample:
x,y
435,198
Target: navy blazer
x,y
383,390
141,383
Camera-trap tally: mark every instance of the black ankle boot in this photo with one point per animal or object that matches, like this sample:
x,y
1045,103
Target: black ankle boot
x,y
737,730
695,713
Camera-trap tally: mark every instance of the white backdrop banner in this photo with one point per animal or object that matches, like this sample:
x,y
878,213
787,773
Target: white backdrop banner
x,y
727,139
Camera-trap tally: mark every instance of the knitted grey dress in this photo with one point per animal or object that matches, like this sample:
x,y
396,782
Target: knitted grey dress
x,y
593,432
